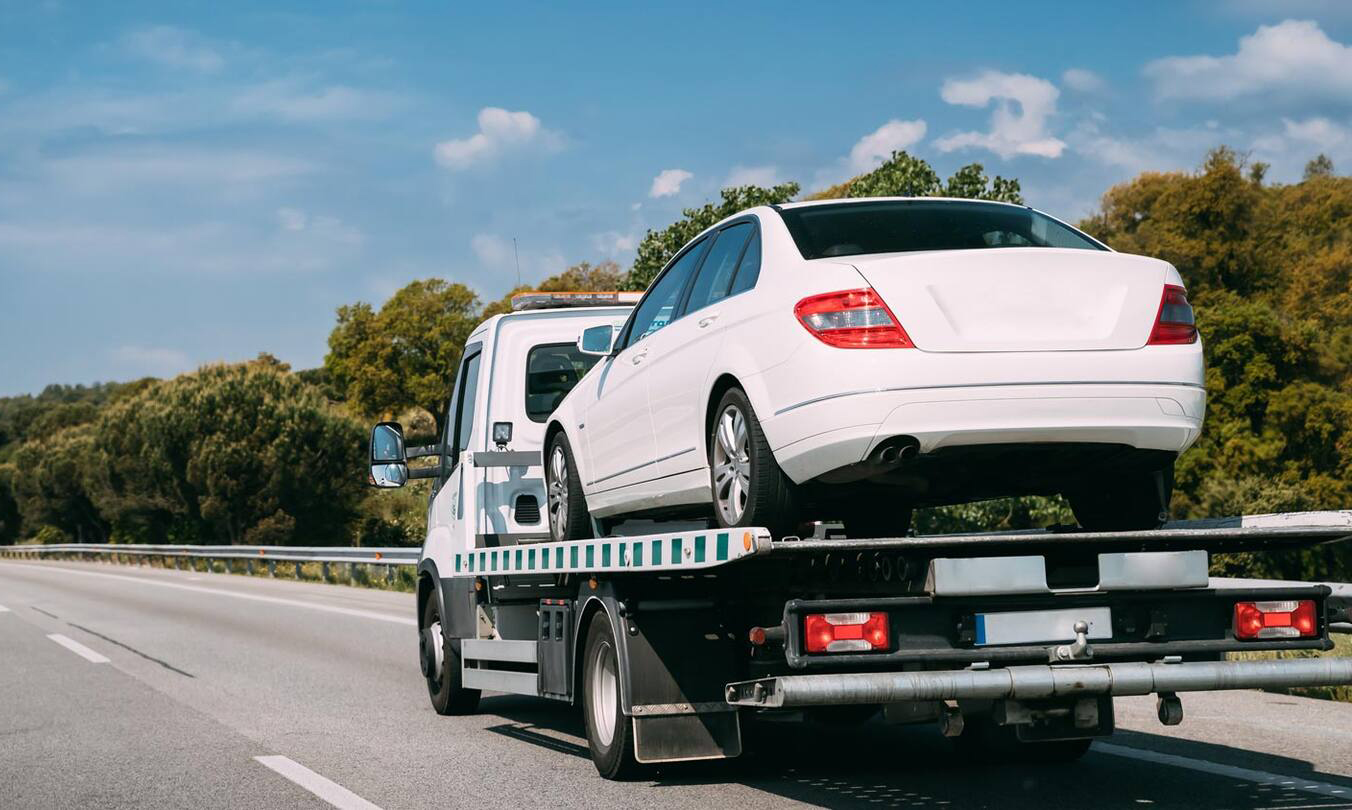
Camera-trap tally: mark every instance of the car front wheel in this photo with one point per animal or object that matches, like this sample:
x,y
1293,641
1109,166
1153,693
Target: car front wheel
x,y
568,515
748,487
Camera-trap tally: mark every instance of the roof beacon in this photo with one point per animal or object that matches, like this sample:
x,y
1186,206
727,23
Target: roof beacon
x,y
557,300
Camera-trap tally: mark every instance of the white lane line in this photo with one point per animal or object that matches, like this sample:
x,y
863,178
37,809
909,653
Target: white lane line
x,y
326,789
78,648
272,600
3,609
1230,771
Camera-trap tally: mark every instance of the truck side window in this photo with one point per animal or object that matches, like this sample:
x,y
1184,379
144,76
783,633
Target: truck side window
x,y
463,423
552,369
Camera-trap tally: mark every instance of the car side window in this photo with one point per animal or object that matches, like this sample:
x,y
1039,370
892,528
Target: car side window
x,y
749,270
658,307
715,275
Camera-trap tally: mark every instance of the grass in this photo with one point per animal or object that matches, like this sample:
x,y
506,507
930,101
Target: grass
x,y
1342,648
356,574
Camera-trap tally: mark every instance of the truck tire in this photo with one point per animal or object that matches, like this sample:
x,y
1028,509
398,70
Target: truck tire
x,y
1123,503
568,515
748,487
610,734
443,673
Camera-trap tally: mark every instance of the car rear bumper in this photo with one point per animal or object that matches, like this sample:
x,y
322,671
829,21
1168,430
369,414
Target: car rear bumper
x,y
813,438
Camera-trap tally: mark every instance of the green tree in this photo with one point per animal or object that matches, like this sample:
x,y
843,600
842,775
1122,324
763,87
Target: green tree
x,y
1319,166
582,277
904,175
658,247
405,354
49,482
242,453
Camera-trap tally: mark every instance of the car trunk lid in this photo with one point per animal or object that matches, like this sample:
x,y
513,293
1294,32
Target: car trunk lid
x,y
1019,299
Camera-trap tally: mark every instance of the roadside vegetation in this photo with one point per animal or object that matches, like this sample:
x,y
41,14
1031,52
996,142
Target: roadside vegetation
x,y
257,452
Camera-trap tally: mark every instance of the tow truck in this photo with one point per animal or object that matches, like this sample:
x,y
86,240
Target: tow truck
x,y
671,636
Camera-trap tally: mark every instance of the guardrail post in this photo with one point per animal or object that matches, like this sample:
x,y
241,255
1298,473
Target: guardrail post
x,y
389,574
248,567
272,568
324,569
297,569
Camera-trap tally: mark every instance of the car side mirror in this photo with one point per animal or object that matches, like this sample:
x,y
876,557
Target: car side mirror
x,y
389,459
597,340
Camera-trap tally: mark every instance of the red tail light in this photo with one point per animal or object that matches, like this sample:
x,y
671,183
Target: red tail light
x,y
852,319
1175,322
1289,619
845,632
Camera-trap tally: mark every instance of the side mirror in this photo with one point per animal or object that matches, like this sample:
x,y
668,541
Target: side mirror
x,y
597,340
389,461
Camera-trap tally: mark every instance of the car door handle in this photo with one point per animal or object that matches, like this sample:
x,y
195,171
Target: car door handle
x,y
707,319
638,357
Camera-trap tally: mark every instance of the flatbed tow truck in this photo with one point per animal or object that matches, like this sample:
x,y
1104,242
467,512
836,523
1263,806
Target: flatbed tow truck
x,y
1015,643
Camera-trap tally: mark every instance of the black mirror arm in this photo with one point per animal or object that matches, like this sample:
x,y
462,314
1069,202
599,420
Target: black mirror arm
x,y
424,472
424,451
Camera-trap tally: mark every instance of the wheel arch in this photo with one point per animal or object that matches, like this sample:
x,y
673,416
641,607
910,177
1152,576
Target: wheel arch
x,y
429,586
724,383
592,604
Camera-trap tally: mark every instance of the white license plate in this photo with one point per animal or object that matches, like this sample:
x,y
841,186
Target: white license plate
x,y
1033,626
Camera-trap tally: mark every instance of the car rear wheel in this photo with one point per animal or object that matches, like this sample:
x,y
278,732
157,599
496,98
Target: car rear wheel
x,y
1125,502
568,515
749,488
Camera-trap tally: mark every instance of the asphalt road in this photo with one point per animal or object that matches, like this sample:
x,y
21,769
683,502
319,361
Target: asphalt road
x,y
174,689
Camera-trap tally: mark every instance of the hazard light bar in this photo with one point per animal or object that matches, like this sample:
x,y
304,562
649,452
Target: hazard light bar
x,y
556,300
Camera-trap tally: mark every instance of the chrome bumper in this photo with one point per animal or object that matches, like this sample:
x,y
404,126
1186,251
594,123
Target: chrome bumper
x,y
1032,682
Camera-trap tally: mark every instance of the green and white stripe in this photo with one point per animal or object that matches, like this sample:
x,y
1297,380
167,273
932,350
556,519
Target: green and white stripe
x,y
654,552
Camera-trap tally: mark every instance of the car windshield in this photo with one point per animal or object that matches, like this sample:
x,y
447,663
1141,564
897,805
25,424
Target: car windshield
x,y
899,226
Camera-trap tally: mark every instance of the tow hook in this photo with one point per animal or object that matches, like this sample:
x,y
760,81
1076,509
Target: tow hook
x,y
1079,650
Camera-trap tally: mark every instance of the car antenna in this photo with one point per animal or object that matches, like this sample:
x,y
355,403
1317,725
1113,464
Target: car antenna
x,y
518,262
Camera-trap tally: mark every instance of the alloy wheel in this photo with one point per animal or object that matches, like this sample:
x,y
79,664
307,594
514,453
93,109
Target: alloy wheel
x,y
732,465
558,493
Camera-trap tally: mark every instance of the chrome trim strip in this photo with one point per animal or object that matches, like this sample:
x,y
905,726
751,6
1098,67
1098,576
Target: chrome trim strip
x,y
977,385
641,466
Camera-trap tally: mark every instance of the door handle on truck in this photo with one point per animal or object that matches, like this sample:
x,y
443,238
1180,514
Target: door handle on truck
x,y
707,319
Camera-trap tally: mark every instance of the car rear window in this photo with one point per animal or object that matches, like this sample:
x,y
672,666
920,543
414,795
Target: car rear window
x,y
551,372
900,226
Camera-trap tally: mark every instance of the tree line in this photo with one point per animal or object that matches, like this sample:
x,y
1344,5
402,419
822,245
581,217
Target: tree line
x,y
257,453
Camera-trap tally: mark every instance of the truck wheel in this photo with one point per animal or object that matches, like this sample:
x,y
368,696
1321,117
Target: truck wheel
x,y
748,487
984,741
610,735
568,516
1124,503
439,657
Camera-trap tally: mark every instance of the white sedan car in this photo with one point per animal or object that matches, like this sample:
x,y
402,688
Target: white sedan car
x,y
851,360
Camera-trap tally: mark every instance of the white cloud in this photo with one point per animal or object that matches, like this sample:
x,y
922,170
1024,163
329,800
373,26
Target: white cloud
x,y
1023,104
613,243
295,100
499,131
668,182
1293,59
154,361
1298,141
291,219
766,176
142,166
878,145
173,48
1161,149
1083,81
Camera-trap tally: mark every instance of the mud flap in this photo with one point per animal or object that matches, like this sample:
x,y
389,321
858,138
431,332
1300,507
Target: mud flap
x,y
685,737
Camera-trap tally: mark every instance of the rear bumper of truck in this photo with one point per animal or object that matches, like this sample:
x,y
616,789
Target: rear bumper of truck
x,y
1037,682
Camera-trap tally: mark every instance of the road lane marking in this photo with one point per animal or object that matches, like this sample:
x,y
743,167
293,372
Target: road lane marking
x,y
3,609
1230,771
273,600
326,789
78,648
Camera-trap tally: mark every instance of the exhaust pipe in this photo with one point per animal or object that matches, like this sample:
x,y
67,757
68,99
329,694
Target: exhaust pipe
x,y
894,451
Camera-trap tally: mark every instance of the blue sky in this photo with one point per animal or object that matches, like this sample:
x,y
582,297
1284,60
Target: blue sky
x,y
180,185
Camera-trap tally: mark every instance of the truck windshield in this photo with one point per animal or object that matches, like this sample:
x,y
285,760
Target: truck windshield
x,y
898,226
551,372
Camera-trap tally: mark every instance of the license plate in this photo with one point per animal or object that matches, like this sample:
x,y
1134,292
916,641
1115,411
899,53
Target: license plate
x,y
1033,626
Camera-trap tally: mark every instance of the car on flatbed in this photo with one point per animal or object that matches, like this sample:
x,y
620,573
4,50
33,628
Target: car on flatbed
x,y
850,360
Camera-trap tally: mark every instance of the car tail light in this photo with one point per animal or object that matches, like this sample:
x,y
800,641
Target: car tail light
x,y
845,632
1289,619
852,319
1175,322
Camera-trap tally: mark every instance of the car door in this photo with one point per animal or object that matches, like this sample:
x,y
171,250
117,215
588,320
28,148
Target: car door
x,y
448,503
681,355
618,428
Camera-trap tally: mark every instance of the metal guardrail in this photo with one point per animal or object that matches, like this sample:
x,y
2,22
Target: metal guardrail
x,y
269,556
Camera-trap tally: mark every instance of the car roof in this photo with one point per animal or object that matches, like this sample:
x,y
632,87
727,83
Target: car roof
x,y
851,200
